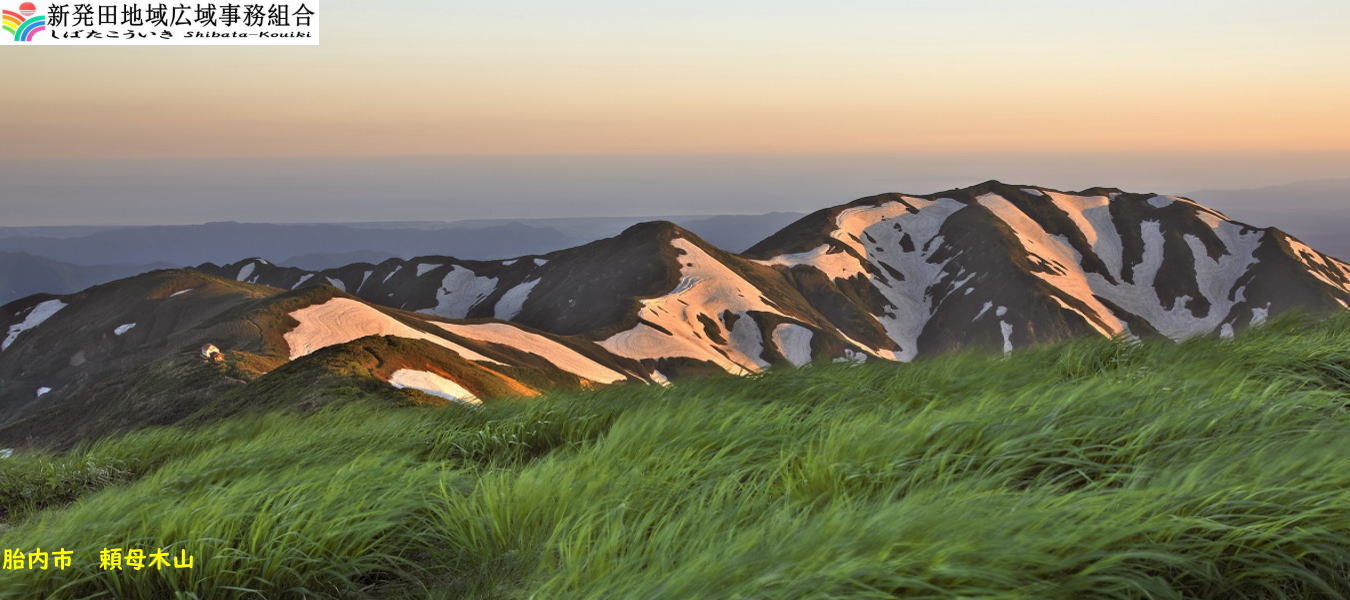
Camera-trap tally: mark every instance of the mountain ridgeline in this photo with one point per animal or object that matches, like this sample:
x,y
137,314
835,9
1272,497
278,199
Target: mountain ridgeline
x,y
893,277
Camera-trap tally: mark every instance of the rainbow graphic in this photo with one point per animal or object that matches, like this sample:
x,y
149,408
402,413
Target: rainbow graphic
x,y
23,24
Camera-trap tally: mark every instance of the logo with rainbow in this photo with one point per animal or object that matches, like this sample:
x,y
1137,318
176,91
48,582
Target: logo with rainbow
x,y
24,24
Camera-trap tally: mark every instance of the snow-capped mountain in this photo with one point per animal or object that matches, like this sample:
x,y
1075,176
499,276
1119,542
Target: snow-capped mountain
x,y
1008,266
891,277
143,351
655,293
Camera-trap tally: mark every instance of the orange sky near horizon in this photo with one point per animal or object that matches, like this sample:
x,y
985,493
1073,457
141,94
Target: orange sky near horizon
x,y
605,78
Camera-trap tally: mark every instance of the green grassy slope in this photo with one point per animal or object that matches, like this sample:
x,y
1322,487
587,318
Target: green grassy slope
x,y
1094,470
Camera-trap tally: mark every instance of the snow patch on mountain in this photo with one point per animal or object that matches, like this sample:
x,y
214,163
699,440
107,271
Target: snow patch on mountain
x,y
794,342
707,288
36,316
660,378
559,355
433,384
1260,315
1215,278
646,342
513,300
337,283
460,291
423,268
1092,216
1059,264
983,309
43,391
1329,270
121,329
852,356
1161,201
834,263
901,241
342,320
906,244
746,344
245,271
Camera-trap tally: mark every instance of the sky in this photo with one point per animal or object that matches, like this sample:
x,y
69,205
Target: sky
x,y
416,104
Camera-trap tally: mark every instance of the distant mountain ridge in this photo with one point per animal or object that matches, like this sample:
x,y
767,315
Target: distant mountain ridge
x,y
992,267
480,239
23,274
192,244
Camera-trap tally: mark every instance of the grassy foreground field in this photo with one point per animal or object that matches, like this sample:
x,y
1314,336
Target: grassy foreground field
x,y
1097,469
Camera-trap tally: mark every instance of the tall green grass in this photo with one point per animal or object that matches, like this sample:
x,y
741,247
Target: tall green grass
x,y
1096,469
